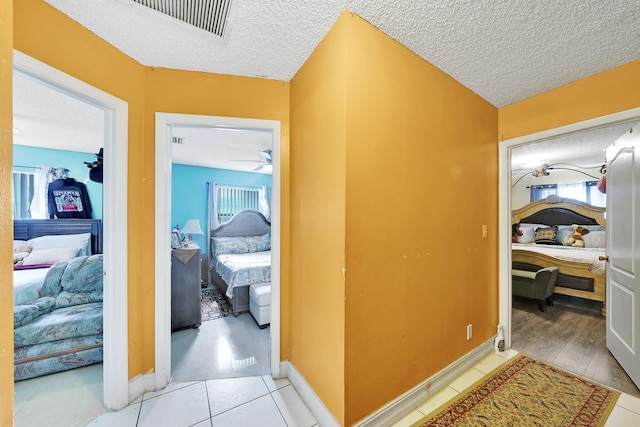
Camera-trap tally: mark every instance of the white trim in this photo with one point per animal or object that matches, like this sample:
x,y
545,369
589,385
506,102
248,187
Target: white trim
x,y
115,365
141,384
504,206
163,122
317,407
411,400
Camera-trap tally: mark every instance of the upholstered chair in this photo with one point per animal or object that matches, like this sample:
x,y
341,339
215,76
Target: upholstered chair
x,y
538,285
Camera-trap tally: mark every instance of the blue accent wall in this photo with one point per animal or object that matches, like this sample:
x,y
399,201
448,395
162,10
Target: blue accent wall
x,y
189,193
32,157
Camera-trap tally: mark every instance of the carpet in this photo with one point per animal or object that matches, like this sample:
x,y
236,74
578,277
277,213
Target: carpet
x,y
214,305
527,392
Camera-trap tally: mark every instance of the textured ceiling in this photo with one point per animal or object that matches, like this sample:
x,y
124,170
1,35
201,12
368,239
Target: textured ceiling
x,y
583,149
504,51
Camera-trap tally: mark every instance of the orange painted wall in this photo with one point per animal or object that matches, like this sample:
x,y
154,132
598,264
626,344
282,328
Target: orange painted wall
x,y
388,154
49,36
317,293
6,213
46,34
421,180
188,92
611,91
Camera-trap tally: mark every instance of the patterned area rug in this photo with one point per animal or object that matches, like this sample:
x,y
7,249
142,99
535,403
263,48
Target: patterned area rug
x,y
214,305
527,392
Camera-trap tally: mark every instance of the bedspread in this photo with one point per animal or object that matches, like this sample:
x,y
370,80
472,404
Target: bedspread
x,y
569,253
243,269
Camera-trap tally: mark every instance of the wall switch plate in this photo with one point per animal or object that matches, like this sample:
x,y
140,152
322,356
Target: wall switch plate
x,y
469,332
484,230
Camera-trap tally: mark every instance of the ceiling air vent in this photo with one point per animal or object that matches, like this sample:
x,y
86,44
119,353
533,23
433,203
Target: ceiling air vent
x,y
209,15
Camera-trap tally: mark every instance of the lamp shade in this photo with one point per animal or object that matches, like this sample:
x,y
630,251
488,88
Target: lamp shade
x,y
192,226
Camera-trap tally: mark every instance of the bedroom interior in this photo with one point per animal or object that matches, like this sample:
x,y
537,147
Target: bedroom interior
x,y
48,337
556,185
227,170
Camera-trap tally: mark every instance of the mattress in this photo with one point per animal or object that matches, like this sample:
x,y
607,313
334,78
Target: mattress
x,y
569,253
243,269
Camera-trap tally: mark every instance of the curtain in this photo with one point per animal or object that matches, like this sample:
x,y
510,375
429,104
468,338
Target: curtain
x,y
265,202
44,175
23,186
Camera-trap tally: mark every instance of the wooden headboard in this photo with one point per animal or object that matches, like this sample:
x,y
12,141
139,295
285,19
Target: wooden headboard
x,y
25,229
555,210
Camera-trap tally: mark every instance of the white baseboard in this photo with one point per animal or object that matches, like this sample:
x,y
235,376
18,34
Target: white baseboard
x,y
314,403
412,399
140,385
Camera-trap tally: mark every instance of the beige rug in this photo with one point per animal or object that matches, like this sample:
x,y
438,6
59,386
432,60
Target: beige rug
x,y
527,392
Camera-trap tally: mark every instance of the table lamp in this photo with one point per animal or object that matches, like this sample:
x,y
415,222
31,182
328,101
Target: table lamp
x,y
192,226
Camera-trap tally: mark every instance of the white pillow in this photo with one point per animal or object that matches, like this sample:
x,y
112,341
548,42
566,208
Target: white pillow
x,y
595,239
50,256
82,242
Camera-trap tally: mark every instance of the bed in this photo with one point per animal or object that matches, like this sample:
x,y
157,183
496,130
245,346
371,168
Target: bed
x,y
58,289
582,270
240,256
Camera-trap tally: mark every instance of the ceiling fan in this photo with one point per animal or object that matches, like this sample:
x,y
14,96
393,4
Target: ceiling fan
x,y
543,170
266,162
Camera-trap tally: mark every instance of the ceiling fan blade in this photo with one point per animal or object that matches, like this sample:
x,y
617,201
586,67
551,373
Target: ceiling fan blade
x,y
267,155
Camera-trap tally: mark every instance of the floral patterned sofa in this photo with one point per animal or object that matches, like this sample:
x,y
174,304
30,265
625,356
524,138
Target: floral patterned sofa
x,y
62,329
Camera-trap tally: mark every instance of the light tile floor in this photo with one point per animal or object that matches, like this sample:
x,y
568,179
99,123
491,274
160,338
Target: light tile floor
x,y
237,402
626,412
246,401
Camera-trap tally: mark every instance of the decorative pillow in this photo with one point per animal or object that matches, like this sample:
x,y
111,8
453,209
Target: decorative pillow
x,y
82,242
50,256
564,233
528,235
595,227
18,257
241,245
595,239
546,236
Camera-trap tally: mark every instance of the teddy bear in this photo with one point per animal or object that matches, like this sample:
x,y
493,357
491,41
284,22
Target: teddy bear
x,y
20,253
515,232
576,238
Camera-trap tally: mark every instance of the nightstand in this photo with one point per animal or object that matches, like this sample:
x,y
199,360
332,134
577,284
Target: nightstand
x,y
185,287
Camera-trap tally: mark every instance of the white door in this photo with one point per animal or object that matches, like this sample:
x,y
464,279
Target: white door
x,y
623,236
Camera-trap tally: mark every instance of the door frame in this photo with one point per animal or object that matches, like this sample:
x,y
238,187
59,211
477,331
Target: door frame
x,y
504,203
163,123
114,220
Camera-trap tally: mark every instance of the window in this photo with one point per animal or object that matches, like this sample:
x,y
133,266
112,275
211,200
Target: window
x,y
232,199
582,191
23,190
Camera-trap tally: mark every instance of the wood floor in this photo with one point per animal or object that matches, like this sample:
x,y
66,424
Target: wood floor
x,y
570,335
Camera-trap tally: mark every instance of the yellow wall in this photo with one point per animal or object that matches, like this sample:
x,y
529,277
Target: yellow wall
x,y
388,154
6,213
51,37
188,92
611,91
318,219
421,180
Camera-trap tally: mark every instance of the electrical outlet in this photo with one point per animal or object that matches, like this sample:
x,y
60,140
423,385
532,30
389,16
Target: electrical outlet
x,y
469,332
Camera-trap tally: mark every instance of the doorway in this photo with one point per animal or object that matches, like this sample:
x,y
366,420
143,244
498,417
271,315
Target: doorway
x,y
164,123
115,358
505,202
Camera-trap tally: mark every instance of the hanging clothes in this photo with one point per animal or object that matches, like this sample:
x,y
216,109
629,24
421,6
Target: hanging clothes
x,y
68,198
